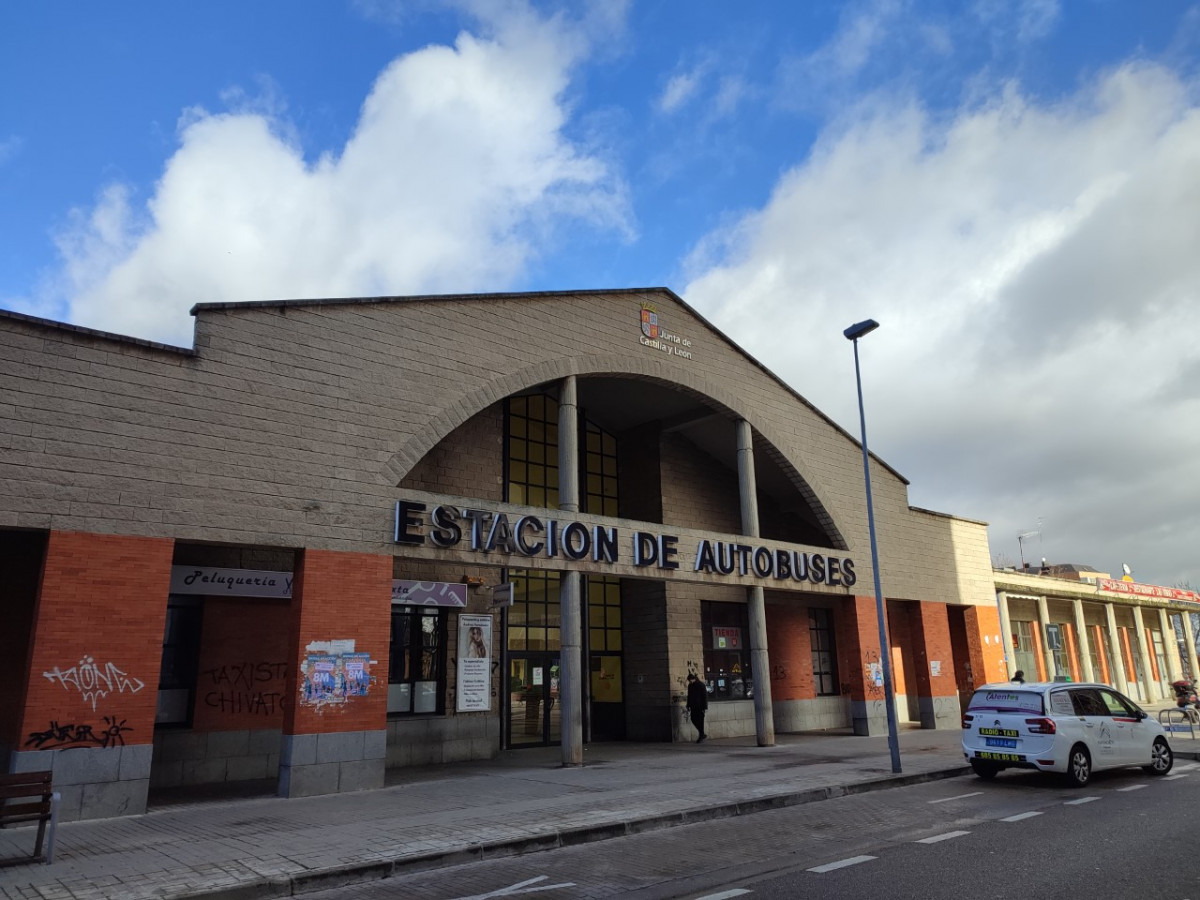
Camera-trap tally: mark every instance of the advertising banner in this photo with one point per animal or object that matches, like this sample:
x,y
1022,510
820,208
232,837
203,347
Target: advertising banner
x,y
474,664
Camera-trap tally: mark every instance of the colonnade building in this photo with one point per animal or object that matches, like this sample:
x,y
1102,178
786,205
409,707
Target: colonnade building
x,y
344,535
1090,627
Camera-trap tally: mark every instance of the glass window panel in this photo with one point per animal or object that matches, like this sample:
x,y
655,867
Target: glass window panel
x,y
614,640
536,639
537,432
596,616
609,444
612,594
593,441
516,493
594,483
518,449
516,638
516,426
553,639
611,508
537,454
596,636
612,616
518,405
537,475
552,410
610,486
610,466
552,498
518,472
535,496
537,405
552,475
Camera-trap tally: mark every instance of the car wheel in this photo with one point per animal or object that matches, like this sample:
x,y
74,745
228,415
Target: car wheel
x,y
1079,766
985,770
1161,758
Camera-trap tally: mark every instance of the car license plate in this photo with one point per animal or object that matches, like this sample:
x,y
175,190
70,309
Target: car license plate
x,y
1000,732
1002,742
999,757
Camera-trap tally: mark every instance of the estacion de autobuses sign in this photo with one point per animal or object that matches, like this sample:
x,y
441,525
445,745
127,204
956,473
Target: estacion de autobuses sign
x,y
509,535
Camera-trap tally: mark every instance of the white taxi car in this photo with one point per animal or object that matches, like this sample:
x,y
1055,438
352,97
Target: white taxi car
x,y
1075,729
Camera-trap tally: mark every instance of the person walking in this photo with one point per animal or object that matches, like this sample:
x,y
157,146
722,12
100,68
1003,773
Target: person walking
x,y
697,703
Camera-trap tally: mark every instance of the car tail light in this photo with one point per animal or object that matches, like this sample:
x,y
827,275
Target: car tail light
x,y
1041,726
967,719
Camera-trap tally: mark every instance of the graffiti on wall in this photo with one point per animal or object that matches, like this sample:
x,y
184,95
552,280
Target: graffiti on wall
x,y
60,736
238,688
93,681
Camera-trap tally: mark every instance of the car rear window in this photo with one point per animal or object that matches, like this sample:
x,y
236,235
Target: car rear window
x,y
1003,700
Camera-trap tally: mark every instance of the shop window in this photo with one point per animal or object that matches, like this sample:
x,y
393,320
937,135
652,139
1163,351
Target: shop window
x,y
180,658
726,630
417,670
824,654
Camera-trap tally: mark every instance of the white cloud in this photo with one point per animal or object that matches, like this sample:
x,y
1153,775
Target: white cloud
x,y
457,175
680,88
9,148
1035,273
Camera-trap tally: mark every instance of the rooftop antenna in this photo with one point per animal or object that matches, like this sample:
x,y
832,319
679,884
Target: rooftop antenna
x,y
1021,543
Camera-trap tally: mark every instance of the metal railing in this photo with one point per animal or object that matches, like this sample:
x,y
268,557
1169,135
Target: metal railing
x,y
1189,717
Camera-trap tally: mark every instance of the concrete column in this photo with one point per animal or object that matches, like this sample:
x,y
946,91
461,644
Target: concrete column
x,y
1118,658
570,684
764,721
1190,640
1170,646
1083,641
1006,633
1151,689
1047,653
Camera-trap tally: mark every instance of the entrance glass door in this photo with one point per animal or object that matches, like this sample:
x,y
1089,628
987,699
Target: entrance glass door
x,y
534,715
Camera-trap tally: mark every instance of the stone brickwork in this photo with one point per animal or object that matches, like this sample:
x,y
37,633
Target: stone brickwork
x,y
176,439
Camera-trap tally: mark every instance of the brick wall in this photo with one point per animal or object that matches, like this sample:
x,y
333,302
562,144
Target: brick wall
x,y
340,596
99,626
241,681
857,629
791,653
931,633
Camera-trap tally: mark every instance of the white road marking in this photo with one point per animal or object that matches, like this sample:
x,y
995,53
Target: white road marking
x,y
1188,767
841,864
1080,801
1176,777
1019,816
959,797
1132,787
942,837
724,895
521,887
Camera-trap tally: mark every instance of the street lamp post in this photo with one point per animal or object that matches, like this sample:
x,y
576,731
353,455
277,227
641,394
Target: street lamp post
x,y
853,333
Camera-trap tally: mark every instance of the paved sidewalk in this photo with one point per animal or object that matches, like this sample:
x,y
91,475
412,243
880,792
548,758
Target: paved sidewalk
x,y
525,800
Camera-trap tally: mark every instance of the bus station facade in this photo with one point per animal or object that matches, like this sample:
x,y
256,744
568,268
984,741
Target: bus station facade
x,y
335,537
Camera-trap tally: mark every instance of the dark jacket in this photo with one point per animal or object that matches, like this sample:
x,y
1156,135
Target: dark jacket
x,y
697,695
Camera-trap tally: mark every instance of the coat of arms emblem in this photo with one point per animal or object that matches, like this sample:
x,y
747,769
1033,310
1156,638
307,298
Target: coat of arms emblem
x,y
649,322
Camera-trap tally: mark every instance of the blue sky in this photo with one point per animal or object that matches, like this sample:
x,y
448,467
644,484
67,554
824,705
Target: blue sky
x,y
1012,188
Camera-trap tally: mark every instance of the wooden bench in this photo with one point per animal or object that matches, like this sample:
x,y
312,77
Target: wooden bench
x,y
29,797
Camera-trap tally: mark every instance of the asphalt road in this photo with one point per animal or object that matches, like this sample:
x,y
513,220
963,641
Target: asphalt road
x,y
1023,836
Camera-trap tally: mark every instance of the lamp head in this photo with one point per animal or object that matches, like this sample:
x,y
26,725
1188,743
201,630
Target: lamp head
x,y
854,332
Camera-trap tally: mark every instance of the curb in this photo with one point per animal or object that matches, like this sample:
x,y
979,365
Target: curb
x,y
377,870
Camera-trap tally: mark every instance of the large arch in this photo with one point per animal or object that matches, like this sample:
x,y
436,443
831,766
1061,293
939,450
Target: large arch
x,y
424,439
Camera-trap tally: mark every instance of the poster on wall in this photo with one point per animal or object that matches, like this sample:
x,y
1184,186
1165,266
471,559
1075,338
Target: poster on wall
x,y
474,665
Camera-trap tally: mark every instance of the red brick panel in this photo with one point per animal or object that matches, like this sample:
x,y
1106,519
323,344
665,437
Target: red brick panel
x,y
1101,645
987,654
241,680
931,643
791,653
97,641
857,628
900,636
338,597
